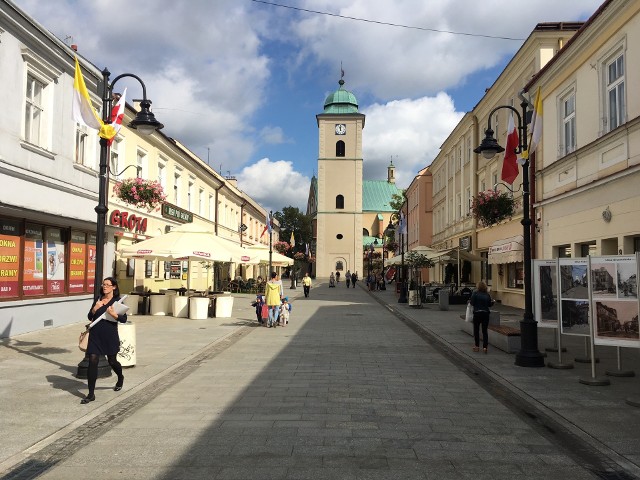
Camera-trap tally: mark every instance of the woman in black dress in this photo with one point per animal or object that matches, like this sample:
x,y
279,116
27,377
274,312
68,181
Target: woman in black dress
x,y
104,339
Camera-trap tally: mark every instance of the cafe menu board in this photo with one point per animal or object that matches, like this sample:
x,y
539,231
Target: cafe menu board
x,y
9,258
33,270
55,261
77,262
91,261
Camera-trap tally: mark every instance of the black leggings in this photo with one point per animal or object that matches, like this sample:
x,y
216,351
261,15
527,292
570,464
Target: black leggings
x,y
481,319
92,373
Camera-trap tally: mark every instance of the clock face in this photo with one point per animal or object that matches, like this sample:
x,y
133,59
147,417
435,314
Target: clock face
x,y
341,129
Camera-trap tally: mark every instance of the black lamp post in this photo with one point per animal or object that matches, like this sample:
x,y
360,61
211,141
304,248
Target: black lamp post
x,y
528,356
146,123
403,293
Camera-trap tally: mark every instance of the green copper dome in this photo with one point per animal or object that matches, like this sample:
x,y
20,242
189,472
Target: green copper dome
x,y
341,101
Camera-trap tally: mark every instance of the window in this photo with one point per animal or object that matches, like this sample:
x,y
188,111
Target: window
x,y
459,205
34,112
162,175
114,158
339,202
201,202
81,145
467,158
365,232
212,205
339,148
568,124
515,275
176,188
467,200
141,163
190,197
615,93
564,251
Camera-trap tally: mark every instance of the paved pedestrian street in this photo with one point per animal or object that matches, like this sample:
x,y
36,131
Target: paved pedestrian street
x,y
348,390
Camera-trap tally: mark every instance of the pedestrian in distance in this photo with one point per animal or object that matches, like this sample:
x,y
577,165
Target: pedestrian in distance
x,y
481,302
337,277
257,304
347,278
332,280
354,279
306,284
273,298
103,336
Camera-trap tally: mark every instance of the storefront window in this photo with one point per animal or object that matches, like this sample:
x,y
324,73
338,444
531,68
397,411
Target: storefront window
x,y
55,261
33,270
515,275
9,258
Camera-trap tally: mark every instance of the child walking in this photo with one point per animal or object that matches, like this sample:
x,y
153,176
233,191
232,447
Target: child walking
x,y
258,303
285,311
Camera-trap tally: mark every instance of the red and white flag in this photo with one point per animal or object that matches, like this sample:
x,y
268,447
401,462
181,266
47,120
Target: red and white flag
x,y
267,227
510,164
117,115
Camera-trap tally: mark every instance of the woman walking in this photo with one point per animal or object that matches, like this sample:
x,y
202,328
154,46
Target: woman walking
x,y
273,298
104,339
481,302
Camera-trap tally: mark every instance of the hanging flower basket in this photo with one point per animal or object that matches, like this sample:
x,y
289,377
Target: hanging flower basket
x,y
140,193
492,207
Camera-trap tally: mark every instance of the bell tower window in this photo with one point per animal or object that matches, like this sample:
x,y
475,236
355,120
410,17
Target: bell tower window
x,y
340,148
339,202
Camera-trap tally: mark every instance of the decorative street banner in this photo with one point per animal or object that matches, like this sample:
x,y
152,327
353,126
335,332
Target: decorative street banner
x,y
77,262
55,261
615,301
574,296
545,281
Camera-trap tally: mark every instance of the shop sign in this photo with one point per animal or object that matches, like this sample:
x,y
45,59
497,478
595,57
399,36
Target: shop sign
x,y
128,220
176,213
465,243
9,258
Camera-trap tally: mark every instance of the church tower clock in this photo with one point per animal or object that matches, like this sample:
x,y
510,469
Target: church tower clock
x,y
338,219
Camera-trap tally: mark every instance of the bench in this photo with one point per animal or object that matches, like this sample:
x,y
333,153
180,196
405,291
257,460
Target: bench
x,y
503,337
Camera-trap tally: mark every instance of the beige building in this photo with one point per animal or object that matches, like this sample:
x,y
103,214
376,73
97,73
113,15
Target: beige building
x,y
459,174
588,165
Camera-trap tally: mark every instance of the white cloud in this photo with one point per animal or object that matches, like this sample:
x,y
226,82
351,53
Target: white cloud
x,y
273,135
409,131
275,184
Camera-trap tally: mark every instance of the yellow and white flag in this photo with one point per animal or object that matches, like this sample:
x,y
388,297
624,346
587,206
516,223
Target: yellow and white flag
x,y
83,111
536,123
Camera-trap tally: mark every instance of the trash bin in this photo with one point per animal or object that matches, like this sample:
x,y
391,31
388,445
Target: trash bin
x,y
159,305
127,353
443,298
180,306
132,301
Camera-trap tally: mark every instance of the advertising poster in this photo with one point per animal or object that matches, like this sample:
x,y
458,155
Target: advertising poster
x,y
545,282
77,262
91,261
615,301
574,296
33,269
55,261
9,258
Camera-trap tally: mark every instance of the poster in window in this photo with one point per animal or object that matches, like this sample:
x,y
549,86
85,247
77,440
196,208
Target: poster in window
x,y
55,261
33,269
91,261
77,262
9,257
615,301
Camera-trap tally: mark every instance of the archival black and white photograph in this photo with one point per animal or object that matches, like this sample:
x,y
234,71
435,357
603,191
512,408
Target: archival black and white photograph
x,y
545,288
574,281
627,280
603,278
575,317
616,320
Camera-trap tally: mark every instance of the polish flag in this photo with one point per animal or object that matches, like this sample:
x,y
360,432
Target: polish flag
x,y
510,164
117,115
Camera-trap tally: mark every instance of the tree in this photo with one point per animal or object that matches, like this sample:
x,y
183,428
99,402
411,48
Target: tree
x,y
291,219
397,200
415,261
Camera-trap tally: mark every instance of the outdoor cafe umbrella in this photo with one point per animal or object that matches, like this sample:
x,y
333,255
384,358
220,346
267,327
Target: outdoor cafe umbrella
x,y
190,242
260,254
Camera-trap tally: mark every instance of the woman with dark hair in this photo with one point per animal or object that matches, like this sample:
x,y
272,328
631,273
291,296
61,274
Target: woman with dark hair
x,y
481,302
103,336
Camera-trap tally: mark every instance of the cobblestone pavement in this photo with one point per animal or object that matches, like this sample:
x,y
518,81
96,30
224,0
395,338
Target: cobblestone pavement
x,y
356,387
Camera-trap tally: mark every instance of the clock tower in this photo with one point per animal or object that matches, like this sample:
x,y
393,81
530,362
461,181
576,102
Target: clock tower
x,y
338,216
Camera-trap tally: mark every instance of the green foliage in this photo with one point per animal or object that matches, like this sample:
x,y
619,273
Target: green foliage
x,y
291,219
397,200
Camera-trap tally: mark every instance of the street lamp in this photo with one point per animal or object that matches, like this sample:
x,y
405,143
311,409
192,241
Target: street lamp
x,y
528,356
369,268
146,123
403,294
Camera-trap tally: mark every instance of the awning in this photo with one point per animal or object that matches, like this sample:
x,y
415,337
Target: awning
x,y
508,250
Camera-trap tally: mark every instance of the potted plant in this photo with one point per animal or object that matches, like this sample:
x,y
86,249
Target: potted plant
x,y
492,207
140,193
415,261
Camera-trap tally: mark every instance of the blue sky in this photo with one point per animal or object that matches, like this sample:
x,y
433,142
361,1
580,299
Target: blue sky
x,y
241,81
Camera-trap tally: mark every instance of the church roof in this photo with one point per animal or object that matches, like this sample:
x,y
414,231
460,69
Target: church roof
x,y
376,195
341,101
